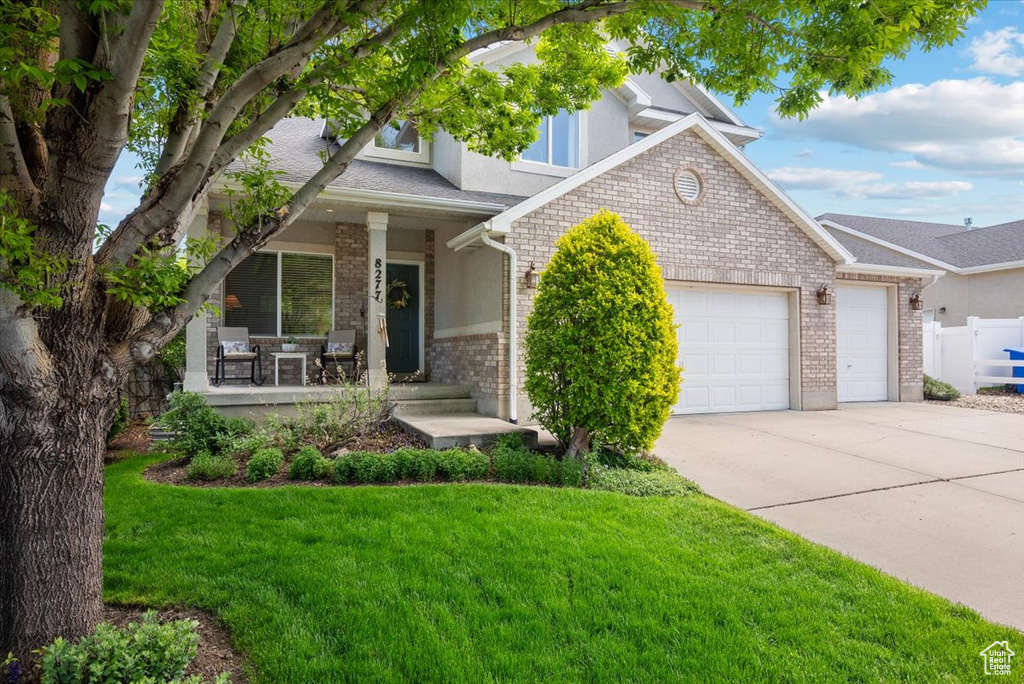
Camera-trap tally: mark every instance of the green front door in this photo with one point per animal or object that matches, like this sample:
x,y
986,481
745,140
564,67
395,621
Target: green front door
x,y
403,354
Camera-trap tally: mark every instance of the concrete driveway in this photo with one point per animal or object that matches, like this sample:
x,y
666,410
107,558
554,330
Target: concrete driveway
x,y
931,494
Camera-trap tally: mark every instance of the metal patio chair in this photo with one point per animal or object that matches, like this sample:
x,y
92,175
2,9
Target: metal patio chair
x,y
233,347
341,349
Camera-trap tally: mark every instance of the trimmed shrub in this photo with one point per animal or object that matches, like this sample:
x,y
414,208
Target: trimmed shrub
x,y
207,466
144,651
512,460
640,483
936,390
264,464
644,461
573,473
309,464
462,464
600,342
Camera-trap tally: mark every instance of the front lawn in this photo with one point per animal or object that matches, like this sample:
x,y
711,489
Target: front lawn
x,y
480,583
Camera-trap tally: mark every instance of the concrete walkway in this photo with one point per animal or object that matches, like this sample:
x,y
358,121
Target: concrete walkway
x,y
931,494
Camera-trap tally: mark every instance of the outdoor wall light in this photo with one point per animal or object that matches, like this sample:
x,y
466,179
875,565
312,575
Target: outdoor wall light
x,y
824,296
915,302
532,275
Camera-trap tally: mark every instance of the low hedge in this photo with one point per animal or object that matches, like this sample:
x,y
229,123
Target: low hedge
x,y
264,464
419,465
641,483
936,390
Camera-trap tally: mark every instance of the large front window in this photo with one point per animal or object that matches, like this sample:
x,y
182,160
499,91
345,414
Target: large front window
x,y
558,141
281,294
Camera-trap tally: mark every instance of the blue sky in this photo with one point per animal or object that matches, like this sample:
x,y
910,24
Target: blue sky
x,y
943,142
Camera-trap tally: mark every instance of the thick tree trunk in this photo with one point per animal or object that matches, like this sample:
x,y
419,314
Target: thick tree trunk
x,y
51,515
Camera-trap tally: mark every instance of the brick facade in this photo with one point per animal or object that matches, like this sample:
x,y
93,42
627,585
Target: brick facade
x,y
478,361
734,235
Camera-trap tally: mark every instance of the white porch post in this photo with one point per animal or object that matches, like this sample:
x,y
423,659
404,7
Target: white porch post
x,y
197,378
377,226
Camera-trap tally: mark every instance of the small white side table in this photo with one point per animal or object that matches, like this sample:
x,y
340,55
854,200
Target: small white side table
x,y
288,355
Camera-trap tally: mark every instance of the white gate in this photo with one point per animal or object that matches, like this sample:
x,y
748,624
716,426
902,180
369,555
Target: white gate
x,y
972,356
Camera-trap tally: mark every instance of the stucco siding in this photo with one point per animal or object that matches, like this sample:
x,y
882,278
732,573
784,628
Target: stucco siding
x,y
999,294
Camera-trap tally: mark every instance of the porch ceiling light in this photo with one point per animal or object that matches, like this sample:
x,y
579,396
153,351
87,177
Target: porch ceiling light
x,y
824,296
915,302
532,276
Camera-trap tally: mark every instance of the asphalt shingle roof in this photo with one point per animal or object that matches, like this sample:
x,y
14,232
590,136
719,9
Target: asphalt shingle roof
x,y
296,149
949,243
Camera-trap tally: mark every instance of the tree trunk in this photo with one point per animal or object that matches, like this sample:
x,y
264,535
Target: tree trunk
x,y
51,514
578,443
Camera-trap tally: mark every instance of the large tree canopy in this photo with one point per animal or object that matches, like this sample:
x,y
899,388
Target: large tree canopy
x,y
191,85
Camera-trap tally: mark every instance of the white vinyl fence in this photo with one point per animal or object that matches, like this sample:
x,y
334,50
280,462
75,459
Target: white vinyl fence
x,y
972,356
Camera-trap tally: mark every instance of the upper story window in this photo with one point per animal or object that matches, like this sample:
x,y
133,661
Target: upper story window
x,y
639,135
398,135
558,142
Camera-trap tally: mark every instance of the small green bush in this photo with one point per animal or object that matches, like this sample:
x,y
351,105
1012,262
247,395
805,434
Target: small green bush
x,y
457,465
640,483
197,426
264,464
644,461
513,462
573,472
207,466
146,651
121,419
937,390
309,464
600,342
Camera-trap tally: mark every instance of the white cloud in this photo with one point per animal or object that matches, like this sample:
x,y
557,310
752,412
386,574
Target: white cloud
x,y
106,207
909,164
998,52
812,178
973,126
806,152
911,190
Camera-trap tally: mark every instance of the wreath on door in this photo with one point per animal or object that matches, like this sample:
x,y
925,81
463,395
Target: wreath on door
x,y
398,296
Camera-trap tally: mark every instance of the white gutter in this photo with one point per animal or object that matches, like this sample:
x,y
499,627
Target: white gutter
x,y
880,270
391,200
513,363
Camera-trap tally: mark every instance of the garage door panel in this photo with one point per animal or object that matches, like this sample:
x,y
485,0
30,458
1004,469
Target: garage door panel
x,y
862,343
734,349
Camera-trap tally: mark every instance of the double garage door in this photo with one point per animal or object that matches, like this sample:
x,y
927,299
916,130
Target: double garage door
x,y
734,347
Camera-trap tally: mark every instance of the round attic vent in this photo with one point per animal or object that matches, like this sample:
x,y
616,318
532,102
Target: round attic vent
x,y
689,185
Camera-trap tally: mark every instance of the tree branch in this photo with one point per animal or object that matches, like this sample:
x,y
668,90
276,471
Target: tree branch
x,y
12,159
183,126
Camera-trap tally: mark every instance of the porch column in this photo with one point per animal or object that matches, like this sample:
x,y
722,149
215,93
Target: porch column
x,y
197,378
376,364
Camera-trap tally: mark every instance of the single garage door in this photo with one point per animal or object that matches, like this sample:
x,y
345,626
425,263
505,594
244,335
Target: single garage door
x,y
862,343
734,349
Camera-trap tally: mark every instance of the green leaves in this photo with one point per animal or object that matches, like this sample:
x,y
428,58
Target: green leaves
x,y
158,277
600,342
27,266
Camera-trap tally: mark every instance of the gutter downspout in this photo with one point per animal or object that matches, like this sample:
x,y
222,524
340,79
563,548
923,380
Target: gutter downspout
x,y
513,365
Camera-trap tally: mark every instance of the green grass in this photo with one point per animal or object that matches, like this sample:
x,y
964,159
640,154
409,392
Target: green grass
x,y
481,583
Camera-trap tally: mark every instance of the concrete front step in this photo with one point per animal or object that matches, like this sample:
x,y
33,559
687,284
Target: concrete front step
x,y
443,431
426,407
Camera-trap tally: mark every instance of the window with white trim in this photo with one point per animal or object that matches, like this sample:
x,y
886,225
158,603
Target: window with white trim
x,y
398,135
280,294
558,141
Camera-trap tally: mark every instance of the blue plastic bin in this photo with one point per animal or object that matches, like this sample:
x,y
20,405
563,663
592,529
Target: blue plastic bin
x,y
1017,354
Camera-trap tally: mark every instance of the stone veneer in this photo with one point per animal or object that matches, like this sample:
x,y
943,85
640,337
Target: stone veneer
x,y
734,235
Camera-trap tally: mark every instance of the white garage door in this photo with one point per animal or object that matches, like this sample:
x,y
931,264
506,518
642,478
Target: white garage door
x,y
734,350
862,343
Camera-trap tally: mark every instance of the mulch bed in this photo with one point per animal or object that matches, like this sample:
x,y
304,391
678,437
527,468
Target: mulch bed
x,y
215,654
134,439
387,439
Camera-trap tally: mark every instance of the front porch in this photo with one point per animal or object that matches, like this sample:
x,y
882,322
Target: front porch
x,y
438,336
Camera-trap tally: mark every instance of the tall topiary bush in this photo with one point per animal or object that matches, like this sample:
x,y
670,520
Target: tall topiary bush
x,y
600,343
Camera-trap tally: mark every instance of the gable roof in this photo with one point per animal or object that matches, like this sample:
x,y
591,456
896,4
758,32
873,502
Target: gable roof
x,y
296,148
502,223
947,246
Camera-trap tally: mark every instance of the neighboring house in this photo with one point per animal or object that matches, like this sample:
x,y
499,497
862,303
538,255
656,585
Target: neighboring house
x,y
984,267
756,283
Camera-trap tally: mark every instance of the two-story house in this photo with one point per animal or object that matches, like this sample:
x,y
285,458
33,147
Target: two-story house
x,y
773,311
